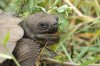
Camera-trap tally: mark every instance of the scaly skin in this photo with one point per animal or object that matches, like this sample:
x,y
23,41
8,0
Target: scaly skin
x,y
26,52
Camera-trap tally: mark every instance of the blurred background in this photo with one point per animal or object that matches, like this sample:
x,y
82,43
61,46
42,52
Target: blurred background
x,y
79,25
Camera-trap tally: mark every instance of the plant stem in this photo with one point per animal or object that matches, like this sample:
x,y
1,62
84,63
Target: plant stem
x,y
66,52
13,58
73,7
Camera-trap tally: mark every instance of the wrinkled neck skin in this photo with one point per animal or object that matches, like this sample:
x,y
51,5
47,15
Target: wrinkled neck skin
x,y
42,39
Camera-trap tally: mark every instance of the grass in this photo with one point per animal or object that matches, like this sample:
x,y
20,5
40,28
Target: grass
x,y
80,30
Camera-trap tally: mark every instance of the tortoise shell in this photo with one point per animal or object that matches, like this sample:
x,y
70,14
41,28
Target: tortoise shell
x,y
9,23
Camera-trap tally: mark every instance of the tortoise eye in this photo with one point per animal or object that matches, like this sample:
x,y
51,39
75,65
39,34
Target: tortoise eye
x,y
43,25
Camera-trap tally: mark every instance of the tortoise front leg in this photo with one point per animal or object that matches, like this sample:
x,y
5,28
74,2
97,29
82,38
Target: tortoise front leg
x,y
26,52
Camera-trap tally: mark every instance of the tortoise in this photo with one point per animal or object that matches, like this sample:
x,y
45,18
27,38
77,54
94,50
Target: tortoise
x,y
27,36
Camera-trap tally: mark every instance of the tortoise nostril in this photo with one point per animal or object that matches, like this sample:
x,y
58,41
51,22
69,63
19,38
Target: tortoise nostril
x,y
55,25
53,28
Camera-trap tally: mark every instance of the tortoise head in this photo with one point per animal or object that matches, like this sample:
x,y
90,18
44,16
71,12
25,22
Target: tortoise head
x,y
42,27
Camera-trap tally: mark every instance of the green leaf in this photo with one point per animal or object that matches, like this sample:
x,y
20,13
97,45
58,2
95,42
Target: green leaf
x,y
63,23
62,8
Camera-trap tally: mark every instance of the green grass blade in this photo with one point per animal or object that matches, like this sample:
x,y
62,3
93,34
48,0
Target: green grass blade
x,y
6,39
90,62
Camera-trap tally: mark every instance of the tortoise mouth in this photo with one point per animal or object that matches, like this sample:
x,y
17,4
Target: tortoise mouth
x,y
53,32
49,38
47,35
